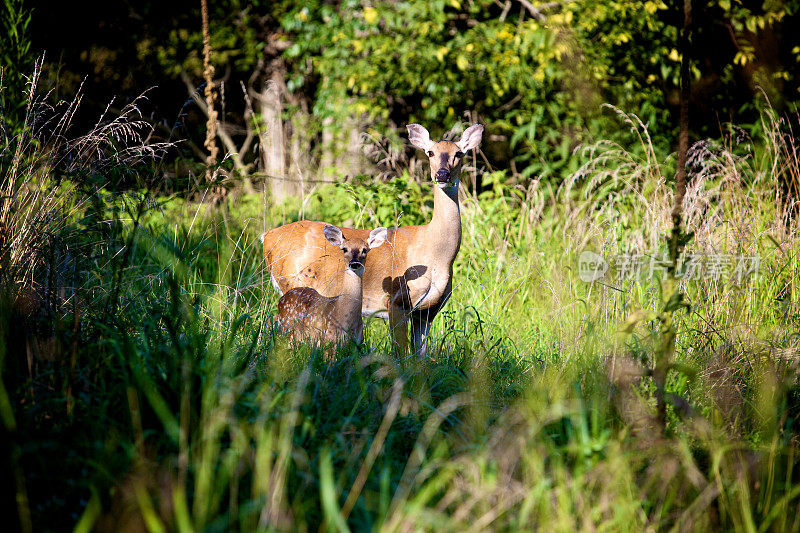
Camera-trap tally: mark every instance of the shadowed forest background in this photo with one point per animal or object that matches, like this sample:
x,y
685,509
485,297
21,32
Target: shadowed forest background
x,y
144,384
313,78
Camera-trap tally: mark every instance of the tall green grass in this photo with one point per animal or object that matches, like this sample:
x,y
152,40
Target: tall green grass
x,y
149,389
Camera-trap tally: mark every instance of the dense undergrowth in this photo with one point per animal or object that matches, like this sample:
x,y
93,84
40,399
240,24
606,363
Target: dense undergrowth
x,y
144,386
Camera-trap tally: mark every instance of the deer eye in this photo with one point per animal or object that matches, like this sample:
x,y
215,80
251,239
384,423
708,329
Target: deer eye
x,y
430,153
459,155
344,249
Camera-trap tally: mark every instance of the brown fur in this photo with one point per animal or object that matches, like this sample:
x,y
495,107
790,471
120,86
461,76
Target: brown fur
x,y
310,316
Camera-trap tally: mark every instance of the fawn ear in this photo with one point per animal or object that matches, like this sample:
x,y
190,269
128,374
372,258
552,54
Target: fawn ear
x,y
376,237
334,235
419,137
471,138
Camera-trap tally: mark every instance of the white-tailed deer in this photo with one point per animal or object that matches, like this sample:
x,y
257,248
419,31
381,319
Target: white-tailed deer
x,y
410,277
310,316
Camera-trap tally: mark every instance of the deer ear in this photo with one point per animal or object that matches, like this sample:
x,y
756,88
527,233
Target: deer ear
x,y
377,237
419,137
334,235
471,138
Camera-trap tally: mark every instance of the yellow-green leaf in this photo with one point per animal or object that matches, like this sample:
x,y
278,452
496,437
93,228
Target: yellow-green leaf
x,y
370,15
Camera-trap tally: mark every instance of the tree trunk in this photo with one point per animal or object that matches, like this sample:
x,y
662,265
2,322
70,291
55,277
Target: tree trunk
x,y
354,163
299,151
272,142
327,162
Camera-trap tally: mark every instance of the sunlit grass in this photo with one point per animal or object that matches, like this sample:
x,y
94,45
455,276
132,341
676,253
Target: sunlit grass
x,y
159,394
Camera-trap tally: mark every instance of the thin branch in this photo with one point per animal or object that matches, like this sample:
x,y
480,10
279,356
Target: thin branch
x,y
533,10
248,124
226,139
506,9
537,11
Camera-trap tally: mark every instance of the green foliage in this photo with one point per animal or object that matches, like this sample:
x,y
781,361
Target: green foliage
x,y
367,203
538,80
536,73
237,39
15,60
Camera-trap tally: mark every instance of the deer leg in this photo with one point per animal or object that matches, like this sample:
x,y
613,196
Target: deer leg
x,y
398,324
358,336
420,327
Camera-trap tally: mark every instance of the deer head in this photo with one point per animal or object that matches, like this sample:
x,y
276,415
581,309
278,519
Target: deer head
x,y
354,250
445,156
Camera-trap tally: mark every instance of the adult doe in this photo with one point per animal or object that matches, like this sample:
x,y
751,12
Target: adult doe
x,y
408,279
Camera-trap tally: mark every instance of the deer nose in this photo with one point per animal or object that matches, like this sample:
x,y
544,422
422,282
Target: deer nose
x,y
443,174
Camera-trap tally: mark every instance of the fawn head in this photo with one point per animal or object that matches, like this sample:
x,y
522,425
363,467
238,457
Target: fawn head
x,y
445,156
354,250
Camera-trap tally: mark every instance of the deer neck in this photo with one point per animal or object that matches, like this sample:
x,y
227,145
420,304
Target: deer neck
x,y
445,227
348,304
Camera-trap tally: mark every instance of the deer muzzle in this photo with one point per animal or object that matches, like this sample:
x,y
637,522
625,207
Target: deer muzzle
x,y
443,175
